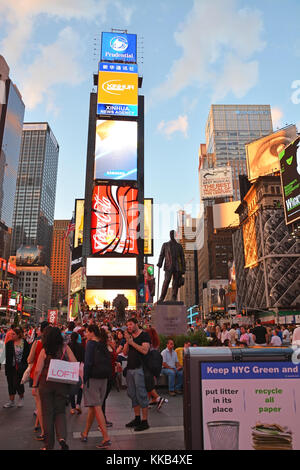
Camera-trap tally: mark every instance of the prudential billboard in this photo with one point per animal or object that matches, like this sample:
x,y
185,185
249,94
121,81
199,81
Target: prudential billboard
x,y
118,47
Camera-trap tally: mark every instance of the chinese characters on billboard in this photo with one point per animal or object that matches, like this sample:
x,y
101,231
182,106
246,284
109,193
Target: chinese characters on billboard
x,y
117,90
114,221
116,150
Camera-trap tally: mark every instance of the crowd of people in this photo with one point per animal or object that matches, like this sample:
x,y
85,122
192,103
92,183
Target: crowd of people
x,y
106,353
116,351
254,335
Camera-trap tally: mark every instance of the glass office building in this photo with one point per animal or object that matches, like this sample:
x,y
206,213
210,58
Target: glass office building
x,y
228,129
36,189
12,111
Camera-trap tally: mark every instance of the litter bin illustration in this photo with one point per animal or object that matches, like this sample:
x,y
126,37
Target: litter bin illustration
x,y
224,435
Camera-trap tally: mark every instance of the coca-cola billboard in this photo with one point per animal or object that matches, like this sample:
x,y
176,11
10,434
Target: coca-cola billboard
x,y
114,222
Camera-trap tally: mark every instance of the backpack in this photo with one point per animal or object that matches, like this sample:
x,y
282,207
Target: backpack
x,y
102,367
153,361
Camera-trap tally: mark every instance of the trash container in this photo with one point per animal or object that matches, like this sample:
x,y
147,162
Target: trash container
x,y
241,398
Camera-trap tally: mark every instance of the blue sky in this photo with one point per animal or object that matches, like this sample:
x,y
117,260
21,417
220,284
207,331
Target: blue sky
x,y
195,53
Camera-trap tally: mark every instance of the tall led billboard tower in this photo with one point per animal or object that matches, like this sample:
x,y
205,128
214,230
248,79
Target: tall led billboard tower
x,y
114,191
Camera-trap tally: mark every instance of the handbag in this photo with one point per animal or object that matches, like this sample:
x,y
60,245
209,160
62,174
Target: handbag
x,y
63,371
26,375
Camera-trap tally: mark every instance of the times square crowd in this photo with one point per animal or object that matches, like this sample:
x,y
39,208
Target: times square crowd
x,y
28,352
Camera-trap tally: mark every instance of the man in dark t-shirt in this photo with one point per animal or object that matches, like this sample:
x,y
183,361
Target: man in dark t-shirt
x,y
260,333
137,345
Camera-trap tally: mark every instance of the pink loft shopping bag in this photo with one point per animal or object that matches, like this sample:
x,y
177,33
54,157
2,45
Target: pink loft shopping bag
x,y
63,371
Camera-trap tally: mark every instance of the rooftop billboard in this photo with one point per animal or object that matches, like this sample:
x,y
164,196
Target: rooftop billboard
x,y
216,182
119,47
263,154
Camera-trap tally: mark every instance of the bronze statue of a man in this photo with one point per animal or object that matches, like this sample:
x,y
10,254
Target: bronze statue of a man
x,y
172,253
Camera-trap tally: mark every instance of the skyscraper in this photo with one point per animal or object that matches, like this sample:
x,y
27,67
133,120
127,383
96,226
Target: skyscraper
x,y
60,262
228,129
11,122
36,188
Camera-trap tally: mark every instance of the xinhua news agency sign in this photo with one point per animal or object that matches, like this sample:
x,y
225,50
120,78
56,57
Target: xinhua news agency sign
x,y
118,47
117,90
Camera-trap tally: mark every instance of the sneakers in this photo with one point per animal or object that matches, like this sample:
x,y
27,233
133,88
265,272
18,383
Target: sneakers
x,y
20,403
172,394
10,404
135,422
63,444
142,426
160,403
179,392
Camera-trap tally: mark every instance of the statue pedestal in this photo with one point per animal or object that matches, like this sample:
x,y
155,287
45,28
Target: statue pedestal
x,y
169,318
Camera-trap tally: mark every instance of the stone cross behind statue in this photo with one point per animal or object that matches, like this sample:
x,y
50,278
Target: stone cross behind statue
x,y
172,255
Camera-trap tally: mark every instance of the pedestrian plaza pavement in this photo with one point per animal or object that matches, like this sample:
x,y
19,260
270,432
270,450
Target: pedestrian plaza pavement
x,y
166,430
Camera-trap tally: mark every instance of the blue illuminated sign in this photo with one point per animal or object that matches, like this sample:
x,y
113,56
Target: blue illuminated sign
x,y
118,47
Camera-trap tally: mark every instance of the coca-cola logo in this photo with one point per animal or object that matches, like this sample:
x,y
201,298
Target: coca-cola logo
x,y
114,225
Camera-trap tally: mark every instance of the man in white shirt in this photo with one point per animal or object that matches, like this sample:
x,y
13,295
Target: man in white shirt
x,y
172,369
275,340
285,336
224,333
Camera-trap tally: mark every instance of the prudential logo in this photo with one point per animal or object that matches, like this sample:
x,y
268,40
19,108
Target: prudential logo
x,y
119,43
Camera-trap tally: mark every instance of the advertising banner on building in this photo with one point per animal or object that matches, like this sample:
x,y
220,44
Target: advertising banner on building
x,y
53,316
116,150
78,281
225,216
148,227
95,298
250,242
114,220
79,220
149,283
216,182
119,47
290,181
263,154
31,255
217,290
117,90
251,405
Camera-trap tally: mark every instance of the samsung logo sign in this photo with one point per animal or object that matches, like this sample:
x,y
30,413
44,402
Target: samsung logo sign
x,y
119,44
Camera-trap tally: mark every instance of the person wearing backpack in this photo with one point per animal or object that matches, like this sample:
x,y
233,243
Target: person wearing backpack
x,y
97,370
156,400
136,348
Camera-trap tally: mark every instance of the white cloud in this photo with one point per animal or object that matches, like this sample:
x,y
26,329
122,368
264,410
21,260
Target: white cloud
x,y
277,116
178,125
54,63
217,41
